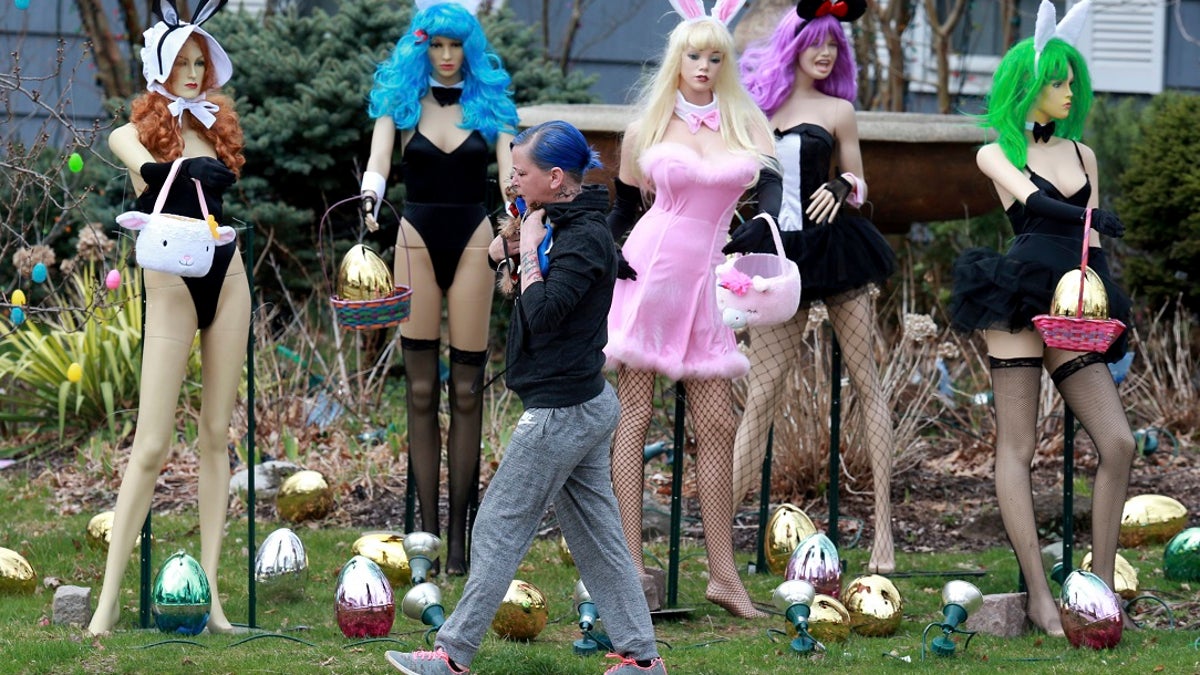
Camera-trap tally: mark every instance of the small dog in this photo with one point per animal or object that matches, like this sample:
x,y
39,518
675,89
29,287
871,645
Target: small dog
x,y
508,275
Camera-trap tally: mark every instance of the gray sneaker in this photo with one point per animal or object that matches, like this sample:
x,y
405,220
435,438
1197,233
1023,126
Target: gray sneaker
x,y
629,666
436,662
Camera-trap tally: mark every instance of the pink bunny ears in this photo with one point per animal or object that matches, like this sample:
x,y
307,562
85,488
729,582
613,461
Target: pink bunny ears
x,y
693,10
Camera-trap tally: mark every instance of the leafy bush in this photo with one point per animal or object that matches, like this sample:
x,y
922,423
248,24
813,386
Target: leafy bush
x,y
1161,202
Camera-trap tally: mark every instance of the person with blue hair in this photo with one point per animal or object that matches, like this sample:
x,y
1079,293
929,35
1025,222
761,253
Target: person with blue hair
x,y
559,452
447,93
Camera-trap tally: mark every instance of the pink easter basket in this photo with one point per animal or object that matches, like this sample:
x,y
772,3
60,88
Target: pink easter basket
x,y
758,289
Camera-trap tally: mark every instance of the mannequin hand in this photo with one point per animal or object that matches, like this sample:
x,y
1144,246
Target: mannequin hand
x,y
210,171
368,211
753,236
827,200
1106,222
624,269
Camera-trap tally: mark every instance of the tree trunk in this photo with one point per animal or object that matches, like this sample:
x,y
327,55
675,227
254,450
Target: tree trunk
x,y
893,17
564,61
942,29
111,68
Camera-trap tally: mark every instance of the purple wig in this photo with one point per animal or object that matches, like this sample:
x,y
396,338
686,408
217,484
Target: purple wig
x,y
769,67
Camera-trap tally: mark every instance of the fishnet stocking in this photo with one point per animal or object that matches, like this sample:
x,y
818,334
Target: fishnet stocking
x,y
710,404
1015,388
466,423
424,438
635,391
853,320
773,354
1092,396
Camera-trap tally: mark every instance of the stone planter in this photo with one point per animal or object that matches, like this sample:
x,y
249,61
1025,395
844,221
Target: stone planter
x,y
919,167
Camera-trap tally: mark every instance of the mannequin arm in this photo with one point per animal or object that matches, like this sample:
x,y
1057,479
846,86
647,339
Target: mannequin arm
x,y
125,145
379,165
504,164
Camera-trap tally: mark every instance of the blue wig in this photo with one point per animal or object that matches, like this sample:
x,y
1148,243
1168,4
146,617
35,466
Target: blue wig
x,y
559,144
402,79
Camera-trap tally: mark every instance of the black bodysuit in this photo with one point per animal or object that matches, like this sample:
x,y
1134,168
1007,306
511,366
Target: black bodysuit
x,y
181,201
444,197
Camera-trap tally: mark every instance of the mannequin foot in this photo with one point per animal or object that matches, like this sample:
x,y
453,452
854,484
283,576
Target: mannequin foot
x,y
1045,617
883,555
103,620
1127,622
455,567
733,599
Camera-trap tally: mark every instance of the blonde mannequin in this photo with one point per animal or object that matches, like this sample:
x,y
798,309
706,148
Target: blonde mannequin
x,y
218,305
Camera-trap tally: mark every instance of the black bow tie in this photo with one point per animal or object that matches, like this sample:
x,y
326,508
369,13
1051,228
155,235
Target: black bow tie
x,y
1042,132
446,95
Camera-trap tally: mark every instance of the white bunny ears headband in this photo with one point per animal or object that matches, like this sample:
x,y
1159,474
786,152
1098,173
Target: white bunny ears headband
x,y
471,6
164,39
1067,30
693,10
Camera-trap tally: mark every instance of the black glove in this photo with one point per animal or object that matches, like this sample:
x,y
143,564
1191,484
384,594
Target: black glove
x,y
367,205
752,236
840,188
1103,221
770,192
210,171
624,269
626,208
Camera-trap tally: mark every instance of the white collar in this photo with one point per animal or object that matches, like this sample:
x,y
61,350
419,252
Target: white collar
x,y
201,108
434,83
683,106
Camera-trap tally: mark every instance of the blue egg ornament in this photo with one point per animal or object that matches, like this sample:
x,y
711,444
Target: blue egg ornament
x,y
181,599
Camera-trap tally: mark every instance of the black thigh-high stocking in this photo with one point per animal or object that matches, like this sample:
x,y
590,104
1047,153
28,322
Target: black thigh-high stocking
x,y
853,318
466,426
424,389
710,404
1087,387
1016,384
635,391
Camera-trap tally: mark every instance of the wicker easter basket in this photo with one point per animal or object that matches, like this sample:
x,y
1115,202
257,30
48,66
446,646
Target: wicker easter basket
x,y
1078,333
374,313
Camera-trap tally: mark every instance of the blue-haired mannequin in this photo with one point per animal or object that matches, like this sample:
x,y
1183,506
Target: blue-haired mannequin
x,y
446,92
1046,180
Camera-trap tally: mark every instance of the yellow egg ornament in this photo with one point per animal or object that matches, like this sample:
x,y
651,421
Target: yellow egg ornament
x,y
1125,576
523,612
18,298
75,372
304,496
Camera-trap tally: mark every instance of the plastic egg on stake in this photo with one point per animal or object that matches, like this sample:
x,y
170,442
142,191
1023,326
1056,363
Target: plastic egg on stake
x,y
816,561
875,605
281,564
787,527
181,598
16,574
304,496
364,276
1181,559
1125,577
1091,613
1151,519
523,612
365,604
385,549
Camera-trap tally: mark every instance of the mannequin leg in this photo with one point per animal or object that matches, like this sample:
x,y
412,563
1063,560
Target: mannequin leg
x,y
422,399
710,403
1016,382
773,350
1088,388
222,350
469,304
635,391
170,329
854,323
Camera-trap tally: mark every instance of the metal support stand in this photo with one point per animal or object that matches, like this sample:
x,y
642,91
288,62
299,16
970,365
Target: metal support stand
x,y
251,427
1063,568
835,433
764,505
676,496
144,590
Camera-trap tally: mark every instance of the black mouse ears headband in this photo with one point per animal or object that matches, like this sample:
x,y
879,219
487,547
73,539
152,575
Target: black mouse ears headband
x,y
165,38
842,10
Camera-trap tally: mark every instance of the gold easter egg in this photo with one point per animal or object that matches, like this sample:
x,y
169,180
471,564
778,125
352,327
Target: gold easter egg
x,y
16,574
1125,577
874,605
304,496
1065,301
828,619
787,527
1150,519
386,549
523,612
99,532
363,276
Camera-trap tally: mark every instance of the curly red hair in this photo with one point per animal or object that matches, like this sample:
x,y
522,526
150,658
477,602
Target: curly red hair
x,y
160,134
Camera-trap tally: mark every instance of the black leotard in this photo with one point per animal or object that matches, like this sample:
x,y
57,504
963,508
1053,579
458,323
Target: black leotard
x,y
181,201
444,197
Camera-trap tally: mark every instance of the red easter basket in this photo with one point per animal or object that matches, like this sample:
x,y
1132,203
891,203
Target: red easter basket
x,y
376,313
1075,333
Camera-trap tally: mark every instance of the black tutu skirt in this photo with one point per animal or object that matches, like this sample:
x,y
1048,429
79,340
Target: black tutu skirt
x,y
844,255
1005,291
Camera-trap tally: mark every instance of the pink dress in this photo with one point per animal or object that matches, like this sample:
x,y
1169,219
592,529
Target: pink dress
x,y
667,321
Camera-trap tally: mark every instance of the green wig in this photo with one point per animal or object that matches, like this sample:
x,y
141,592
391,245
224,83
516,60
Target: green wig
x,y
1017,85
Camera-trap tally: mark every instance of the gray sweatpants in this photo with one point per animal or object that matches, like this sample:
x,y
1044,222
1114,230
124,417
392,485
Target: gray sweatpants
x,y
559,456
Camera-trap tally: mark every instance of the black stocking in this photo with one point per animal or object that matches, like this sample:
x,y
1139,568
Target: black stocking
x,y
424,436
466,422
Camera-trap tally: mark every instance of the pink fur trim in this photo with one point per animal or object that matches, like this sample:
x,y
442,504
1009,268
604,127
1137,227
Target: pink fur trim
x,y
730,366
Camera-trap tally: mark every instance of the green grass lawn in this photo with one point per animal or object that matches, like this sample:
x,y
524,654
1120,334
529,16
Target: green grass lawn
x,y
707,641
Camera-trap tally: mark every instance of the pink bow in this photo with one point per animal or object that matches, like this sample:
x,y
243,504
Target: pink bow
x,y
710,119
735,281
